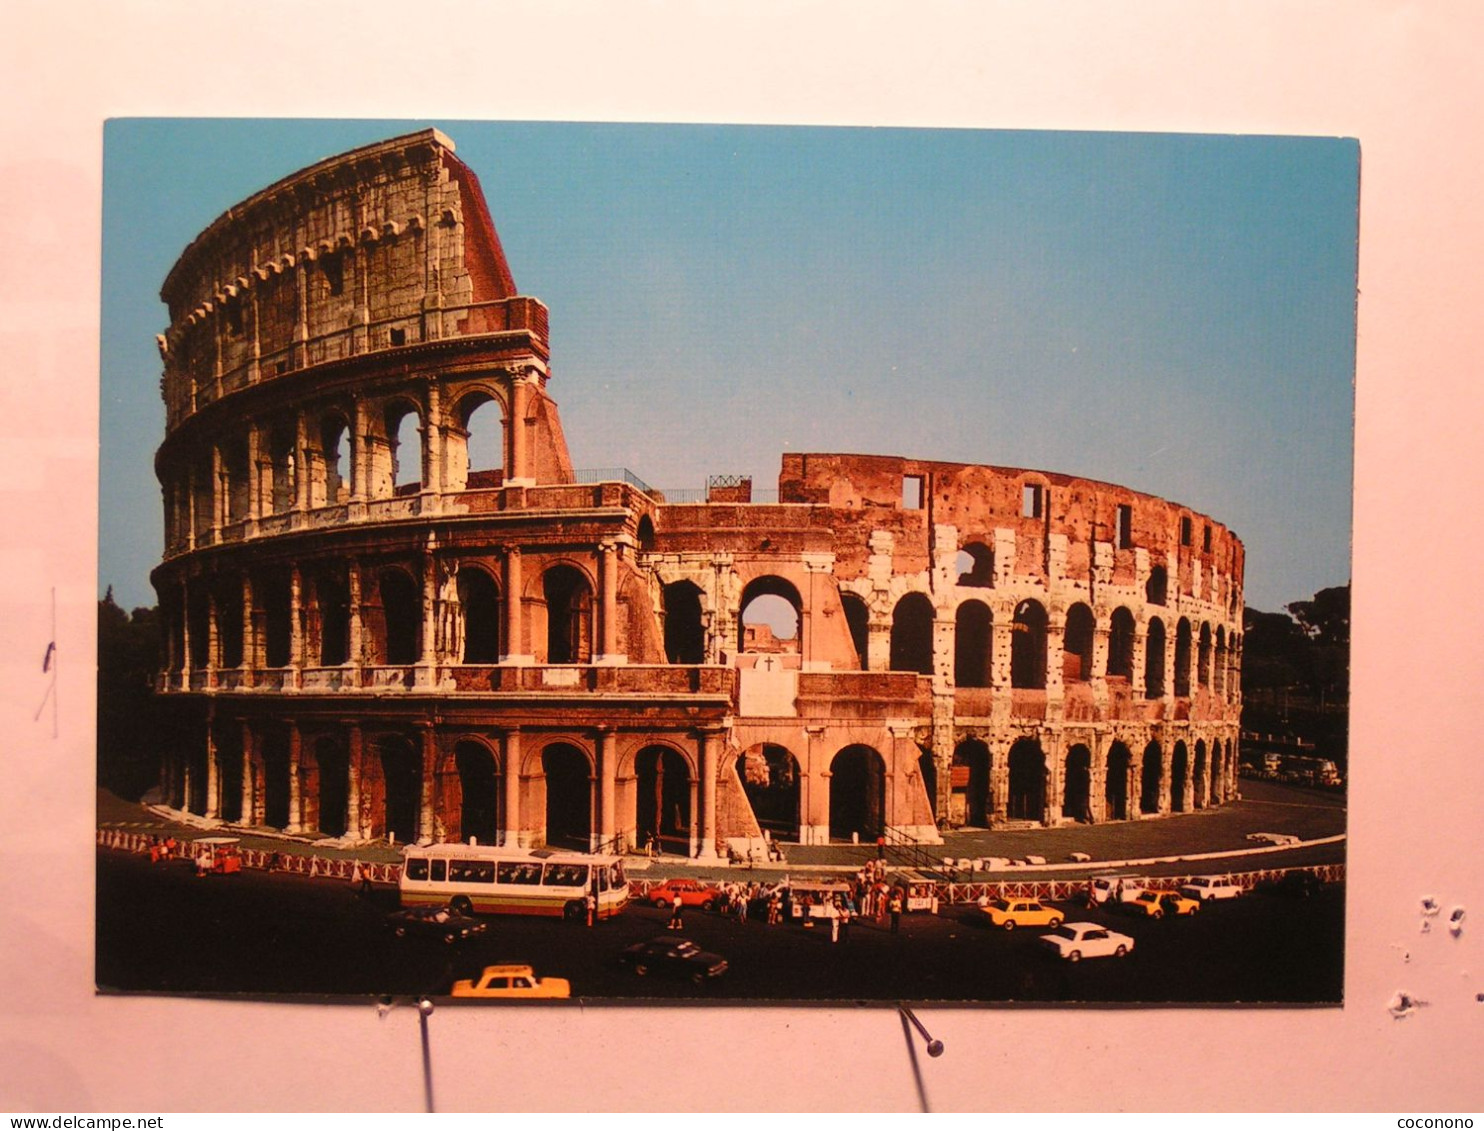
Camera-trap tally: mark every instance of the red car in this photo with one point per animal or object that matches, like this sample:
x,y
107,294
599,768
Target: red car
x,y
692,893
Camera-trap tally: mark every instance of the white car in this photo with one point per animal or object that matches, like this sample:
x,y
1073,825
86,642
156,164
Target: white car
x,y
1076,941
1210,887
1121,889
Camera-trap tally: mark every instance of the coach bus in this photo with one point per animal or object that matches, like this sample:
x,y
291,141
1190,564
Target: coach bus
x,y
482,879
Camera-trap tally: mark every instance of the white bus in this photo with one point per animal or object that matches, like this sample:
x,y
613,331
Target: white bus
x,y
476,878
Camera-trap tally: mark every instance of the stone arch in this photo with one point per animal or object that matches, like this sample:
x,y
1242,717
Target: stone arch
x,y
685,632
238,476
327,786
228,590
333,482
331,618
857,793
1121,644
274,752
283,467
858,620
227,740
272,593
1028,645
1182,657
569,795
1116,784
478,785
971,800
927,766
1200,777
971,644
1218,673
975,566
401,616
770,778
1203,657
1179,777
476,453
482,613
762,610
1157,588
569,615
1076,802
198,622
912,635
401,780
1154,660
644,534
1077,639
404,437
1026,800
1151,776
662,799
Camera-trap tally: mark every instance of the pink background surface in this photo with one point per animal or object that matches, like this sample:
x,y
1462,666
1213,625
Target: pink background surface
x,y
1402,77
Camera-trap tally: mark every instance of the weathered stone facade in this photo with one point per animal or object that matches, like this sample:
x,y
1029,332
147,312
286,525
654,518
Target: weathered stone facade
x,y
392,607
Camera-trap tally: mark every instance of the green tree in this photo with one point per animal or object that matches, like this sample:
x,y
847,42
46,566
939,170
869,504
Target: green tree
x,y
128,715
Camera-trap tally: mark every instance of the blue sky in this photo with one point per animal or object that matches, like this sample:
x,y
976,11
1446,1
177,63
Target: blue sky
x,y
1175,313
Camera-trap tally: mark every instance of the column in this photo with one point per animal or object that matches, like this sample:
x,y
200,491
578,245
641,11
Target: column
x,y
359,461
519,473
1137,661
213,637
249,641
607,787
185,634
1056,636
254,474
1097,801
513,637
608,584
425,819
353,781
191,506
353,587
427,656
213,779
708,742
301,469
245,815
814,804
511,832
1001,642
433,443
296,801
296,627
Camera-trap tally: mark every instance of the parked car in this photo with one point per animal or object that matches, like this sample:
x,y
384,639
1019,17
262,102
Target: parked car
x,y
1210,887
678,957
1298,883
1008,914
1076,941
1157,904
692,893
1124,889
434,922
511,981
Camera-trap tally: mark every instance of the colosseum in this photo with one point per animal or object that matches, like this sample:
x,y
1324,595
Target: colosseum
x,y
393,608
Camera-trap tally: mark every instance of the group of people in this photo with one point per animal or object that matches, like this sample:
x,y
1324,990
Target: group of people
x,y
162,848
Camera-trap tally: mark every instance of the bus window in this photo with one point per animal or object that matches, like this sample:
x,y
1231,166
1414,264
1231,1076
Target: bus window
x,y
417,869
471,871
565,875
440,871
513,873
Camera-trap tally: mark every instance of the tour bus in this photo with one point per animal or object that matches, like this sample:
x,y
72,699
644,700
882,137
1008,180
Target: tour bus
x,y
477,878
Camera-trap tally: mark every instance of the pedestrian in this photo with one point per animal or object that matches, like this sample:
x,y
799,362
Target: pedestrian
x,y
894,906
880,846
846,914
832,910
741,906
592,908
677,922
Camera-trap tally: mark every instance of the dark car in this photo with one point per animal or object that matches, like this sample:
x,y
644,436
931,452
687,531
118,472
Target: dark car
x,y
434,922
1299,885
679,957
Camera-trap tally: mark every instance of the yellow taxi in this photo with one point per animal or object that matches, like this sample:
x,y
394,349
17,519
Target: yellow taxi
x,y
511,981
1156,904
1007,914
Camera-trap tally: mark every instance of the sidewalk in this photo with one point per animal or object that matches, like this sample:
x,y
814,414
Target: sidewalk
x,y
1266,807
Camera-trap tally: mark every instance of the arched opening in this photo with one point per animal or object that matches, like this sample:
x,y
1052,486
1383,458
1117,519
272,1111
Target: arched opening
x,y
1154,660
332,767
1179,774
196,758
1076,799
927,766
479,599
1028,646
229,622
1182,657
858,619
275,755
198,619
332,602
1156,589
481,463
1077,645
569,796
1151,775
975,565
1027,797
569,616
401,771
645,534
662,801
1115,788
1121,644
479,792
1199,792
333,444
770,778
276,602
971,645
970,802
685,636
405,438
283,463
1203,658
912,635
239,482
229,772
401,607
771,617
1218,674
857,794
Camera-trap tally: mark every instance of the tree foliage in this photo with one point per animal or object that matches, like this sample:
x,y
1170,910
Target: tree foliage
x,y
128,658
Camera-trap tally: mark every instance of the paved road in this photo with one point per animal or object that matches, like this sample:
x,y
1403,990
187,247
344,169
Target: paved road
x,y
162,929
